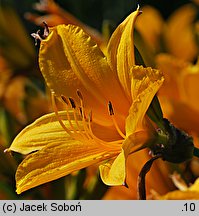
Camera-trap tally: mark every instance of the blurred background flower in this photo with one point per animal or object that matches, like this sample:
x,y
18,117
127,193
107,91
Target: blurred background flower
x,y
167,38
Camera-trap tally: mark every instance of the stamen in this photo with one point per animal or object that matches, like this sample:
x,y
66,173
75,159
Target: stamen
x,y
77,131
80,111
37,36
64,99
113,143
77,123
111,113
79,94
70,122
80,133
84,120
57,115
110,108
90,116
117,128
87,126
72,102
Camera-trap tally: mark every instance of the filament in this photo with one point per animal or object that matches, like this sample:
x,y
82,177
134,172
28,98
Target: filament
x,y
57,115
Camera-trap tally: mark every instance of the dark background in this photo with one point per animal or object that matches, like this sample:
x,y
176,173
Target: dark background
x,y
93,12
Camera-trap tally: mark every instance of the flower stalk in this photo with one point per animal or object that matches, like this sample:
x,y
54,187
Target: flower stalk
x,y
141,178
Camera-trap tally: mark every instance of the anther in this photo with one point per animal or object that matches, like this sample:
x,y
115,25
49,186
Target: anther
x,y
79,94
80,111
64,99
39,36
110,108
72,102
111,113
90,116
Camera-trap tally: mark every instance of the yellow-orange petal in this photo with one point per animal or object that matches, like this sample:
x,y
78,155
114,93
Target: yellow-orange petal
x,y
181,23
181,114
40,133
135,163
145,83
192,193
150,26
113,172
180,195
120,51
189,86
57,160
172,69
70,60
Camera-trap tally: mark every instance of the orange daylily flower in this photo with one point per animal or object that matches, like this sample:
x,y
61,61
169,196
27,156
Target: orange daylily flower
x,y
181,22
150,26
184,191
162,35
178,95
83,79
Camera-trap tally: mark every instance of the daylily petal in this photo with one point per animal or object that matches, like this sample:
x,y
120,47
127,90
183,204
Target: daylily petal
x,y
189,86
187,194
121,51
172,68
47,130
150,26
57,160
113,172
62,62
178,94
195,186
43,131
182,115
181,23
135,163
144,85
136,141
105,133
180,195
